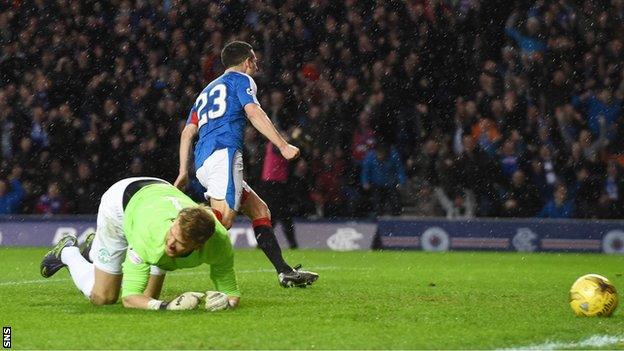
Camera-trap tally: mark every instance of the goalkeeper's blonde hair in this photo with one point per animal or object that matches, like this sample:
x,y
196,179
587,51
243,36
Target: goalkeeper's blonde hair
x,y
197,223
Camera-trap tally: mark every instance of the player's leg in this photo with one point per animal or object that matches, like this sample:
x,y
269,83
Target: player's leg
x,y
223,212
82,272
85,247
85,275
108,250
101,280
109,245
257,210
106,287
101,286
221,176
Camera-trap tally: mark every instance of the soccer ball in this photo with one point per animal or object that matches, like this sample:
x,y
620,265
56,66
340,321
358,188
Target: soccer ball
x,y
593,295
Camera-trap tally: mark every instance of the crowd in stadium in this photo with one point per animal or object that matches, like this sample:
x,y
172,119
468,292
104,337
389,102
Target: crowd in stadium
x,y
455,108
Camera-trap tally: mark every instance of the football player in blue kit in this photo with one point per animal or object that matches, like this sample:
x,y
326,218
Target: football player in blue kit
x,y
219,116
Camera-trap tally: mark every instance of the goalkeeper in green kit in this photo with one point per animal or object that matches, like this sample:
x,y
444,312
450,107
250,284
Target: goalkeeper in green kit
x,y
145,227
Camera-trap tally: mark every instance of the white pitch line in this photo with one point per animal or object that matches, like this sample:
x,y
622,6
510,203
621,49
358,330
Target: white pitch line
x,y
37,281
241,271
594,341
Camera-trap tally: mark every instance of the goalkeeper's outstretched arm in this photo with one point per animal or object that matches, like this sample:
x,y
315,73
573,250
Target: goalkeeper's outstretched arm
x,y
186,301
137,293
154,286
139,301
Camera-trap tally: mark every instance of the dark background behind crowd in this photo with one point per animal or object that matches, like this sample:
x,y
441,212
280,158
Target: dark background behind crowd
x,y
453,108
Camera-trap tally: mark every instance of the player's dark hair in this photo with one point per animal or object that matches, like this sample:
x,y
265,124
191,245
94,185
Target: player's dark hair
x,y
196,223
235,53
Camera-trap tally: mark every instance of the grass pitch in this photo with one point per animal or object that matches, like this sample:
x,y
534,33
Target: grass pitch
x,y
363,300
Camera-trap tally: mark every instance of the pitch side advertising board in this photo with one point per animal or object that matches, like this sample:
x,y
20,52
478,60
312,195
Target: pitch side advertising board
x,y
503,235
44,232
524,235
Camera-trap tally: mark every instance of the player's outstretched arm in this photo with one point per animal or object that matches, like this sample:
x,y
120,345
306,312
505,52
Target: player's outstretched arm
x,y
136,275
186,301
263,124
218,301
154,286
186,140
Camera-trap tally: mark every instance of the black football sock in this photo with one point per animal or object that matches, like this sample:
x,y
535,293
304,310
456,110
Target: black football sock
x,y
268,243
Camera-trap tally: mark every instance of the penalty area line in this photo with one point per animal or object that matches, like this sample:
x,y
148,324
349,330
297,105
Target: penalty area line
x,y
594,341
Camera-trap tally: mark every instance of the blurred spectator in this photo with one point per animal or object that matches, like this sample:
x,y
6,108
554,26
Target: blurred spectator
x,y
474,170
509,159
51,202
418,196
559,206
382,175
585,191
487,135
591,149
462,205
424,200
327,191
363,138
136,168
612,194
275,189
521,198
423,162
301,184
602,109
456,200
86,190
253,164
529,39
11,193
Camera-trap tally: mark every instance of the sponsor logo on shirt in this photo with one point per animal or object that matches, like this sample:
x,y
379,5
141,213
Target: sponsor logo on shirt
x,y
134,257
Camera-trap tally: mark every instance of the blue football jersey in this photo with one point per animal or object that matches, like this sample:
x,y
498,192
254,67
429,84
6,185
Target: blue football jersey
x,y
219,113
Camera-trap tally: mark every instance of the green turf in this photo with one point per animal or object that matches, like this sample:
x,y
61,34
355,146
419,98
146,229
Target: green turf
x,y
363,300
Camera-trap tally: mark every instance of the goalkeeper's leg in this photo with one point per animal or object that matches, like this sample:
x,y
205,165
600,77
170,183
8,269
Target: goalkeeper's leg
x,y
97,285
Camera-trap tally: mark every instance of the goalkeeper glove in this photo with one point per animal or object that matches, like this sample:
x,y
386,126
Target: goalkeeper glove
x,y
186,301
216,301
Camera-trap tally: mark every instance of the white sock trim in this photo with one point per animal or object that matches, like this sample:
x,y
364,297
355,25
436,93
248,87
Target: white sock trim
x,y
81,271
68,254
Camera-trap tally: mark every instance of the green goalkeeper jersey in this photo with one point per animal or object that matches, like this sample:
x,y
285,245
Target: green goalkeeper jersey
x,y
147,218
